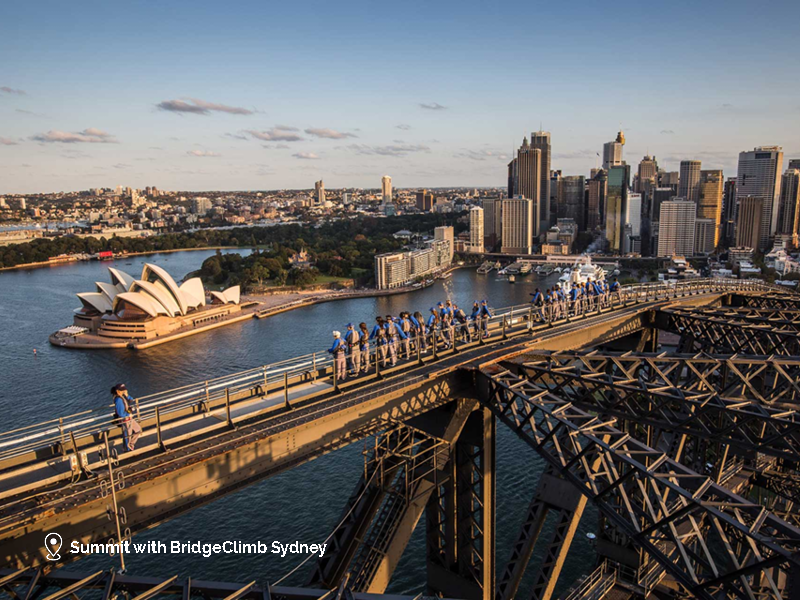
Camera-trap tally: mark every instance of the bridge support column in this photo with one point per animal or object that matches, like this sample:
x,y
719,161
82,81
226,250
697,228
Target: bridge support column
x,y
461,528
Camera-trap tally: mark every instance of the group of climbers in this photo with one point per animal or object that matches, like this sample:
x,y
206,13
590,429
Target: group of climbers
x,y
405,335
560,302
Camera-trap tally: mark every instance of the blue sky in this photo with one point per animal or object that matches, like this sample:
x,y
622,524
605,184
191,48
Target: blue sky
x,y
266,95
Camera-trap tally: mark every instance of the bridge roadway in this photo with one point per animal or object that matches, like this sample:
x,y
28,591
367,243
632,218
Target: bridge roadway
x,y
201,452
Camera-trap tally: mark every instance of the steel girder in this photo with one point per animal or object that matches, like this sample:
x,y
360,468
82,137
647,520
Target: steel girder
x,y
460,517
724,335
781,320
672,393
769,301
658,503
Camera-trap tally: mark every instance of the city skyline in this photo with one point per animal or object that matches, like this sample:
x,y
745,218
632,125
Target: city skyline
x,y
180,102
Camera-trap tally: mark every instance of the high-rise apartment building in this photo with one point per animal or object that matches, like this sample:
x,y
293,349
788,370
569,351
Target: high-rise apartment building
x,y
445,234
596,200
648,172
759,176
749,214
573,195
319,193
794,163
425,201
616,205
386,188
789,207
396,269
519,224
492,222
676,227
709,201
476,232
540,140
689,180
612,152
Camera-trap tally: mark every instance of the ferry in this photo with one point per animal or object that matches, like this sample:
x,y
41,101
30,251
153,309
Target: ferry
x,y
525,268
445,276
486,267
512,279
582,272
513,268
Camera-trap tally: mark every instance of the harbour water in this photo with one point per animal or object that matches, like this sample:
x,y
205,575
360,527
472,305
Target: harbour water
x,y
303,504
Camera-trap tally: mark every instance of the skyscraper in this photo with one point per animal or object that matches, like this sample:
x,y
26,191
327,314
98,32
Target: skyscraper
x,y
616,205
633,224
596,200
729,213
386,188
750,212
424,201
492,221
794,163
555,193
759,177
519,224
541,140
525,177
648,171
319,193
689,182
612,152
789,207
709,201
572,200
676,228
704,235
476,233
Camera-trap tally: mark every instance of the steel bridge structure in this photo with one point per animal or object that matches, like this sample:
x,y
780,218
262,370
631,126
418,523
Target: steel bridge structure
x,y
674,409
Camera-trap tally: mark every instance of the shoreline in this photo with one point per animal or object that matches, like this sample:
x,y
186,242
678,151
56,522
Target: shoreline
x,y
39,265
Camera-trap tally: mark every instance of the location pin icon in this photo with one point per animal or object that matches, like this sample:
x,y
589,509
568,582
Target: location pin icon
x,y
52,543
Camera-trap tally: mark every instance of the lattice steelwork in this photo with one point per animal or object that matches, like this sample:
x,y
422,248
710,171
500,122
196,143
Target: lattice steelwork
x,y
767,301
675,394
712,541
726,335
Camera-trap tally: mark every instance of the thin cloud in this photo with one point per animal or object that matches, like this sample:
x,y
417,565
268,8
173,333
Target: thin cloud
x,y
236,136
7,90
667,131
482,155
306,155
330,134
276,146
575,154
391,150
4,141
203,153
87,136
276,134
404,127
433,106
200,107
121,166
30,113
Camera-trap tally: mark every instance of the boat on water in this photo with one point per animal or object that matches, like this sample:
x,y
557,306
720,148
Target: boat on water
x,y
445,276
513,268
557,270
512,279
486,267
583,271
525,268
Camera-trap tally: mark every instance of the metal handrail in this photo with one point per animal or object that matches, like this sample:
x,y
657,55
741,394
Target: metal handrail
x,y
45,434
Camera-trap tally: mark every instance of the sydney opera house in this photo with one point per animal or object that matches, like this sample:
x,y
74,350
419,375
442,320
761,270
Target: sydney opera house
x,y
153,306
